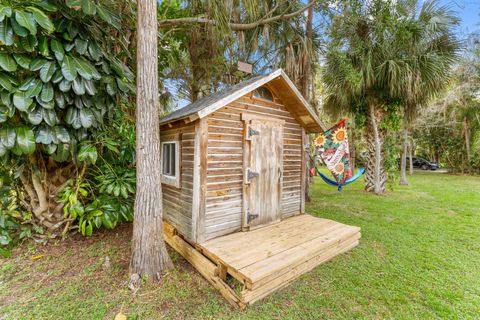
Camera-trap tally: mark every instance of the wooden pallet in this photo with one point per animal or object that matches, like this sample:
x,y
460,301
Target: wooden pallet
x,y
265,259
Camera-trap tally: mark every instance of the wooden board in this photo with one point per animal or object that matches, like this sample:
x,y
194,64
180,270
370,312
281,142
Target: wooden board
x,y
266,259
264,191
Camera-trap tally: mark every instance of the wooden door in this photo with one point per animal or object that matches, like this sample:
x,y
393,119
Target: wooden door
x,y
263,176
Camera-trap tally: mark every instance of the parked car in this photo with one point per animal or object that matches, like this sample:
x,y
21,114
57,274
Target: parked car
x,y
421,163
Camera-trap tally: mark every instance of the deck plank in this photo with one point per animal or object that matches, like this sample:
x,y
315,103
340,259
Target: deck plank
x,y
267,259
250,247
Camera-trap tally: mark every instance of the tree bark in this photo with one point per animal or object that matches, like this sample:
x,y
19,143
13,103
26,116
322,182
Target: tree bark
x,y
375,174
403,160
410,155
149,253
466,128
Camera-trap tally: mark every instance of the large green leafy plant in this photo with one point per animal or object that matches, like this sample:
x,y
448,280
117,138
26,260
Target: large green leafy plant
x,y
60,87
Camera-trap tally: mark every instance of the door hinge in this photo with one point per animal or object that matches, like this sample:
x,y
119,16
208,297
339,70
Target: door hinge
x,y
252,132
251,175
251,217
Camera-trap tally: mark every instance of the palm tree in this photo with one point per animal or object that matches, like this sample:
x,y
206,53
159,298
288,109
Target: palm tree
x,y
385,57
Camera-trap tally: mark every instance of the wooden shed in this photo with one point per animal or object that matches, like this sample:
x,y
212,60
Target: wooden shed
x,y
233,188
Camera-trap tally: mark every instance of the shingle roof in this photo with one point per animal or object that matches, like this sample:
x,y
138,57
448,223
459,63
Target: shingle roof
x,y
206,101
208,104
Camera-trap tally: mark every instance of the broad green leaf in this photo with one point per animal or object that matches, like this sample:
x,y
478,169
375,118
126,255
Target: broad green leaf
x,y
81,45
46,105
18,29
50,117
43,46
74,4
3,151
8,137
35,89
47,92
57,48
73,118
44,135
86,70
62,153
94,51
35,117
25,140
5,83
59,99
72,29
69,70
88,7
57,76
65,85
21,101
26,20
6,32
78,102
29,43
86,117
42,19
3,114
27,83
7,63
22,60
50,148
78,86
111,88
61,134
5,12
47,71
87,153
89,87
47,5
124,86
38,64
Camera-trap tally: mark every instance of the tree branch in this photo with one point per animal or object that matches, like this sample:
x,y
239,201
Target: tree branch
x,y
234,26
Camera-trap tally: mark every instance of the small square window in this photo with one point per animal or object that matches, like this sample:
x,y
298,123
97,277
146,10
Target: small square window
x,y
170,162
169,159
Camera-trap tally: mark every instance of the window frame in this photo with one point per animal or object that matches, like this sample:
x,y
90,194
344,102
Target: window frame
x,y
169,179
262,98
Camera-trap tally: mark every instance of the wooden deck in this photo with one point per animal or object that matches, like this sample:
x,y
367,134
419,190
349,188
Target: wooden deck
x,y
266,259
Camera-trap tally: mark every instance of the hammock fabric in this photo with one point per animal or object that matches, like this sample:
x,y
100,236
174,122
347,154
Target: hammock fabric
x,y
332,146
335,183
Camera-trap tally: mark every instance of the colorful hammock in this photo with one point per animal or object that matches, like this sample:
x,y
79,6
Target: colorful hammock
x,y
332,146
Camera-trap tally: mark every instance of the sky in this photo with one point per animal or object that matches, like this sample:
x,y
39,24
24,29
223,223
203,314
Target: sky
x,y
469,13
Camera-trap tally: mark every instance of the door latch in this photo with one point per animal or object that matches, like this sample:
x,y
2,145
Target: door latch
x,y
251,217
252,132
251,175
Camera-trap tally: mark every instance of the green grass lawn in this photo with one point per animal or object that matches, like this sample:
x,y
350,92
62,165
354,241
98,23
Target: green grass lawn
x,y
419,257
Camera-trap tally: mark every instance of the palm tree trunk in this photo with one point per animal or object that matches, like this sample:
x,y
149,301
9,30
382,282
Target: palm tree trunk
x,y
149,253
466,129
375,175
411,147
403,160
352,145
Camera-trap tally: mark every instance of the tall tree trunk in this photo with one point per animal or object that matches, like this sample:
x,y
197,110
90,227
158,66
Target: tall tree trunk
x,y
149,253
375,175
466,128
306,94
403,160
307,68
353,149
411,149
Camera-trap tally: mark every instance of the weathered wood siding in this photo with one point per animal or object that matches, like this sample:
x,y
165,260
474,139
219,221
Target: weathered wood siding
x,y
224,180
177,202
